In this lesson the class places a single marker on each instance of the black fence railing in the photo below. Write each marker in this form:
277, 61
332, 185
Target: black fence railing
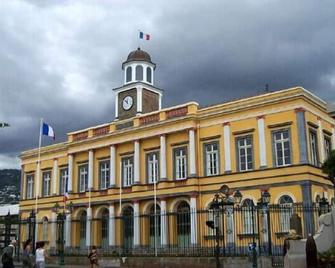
180, 233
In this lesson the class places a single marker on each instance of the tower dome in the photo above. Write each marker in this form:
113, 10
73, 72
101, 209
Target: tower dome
139, 55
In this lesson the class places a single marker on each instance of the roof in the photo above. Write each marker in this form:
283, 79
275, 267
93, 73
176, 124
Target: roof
139, 55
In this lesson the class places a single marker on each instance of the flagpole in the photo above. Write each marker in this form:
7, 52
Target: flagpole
155, 204
37, 184
120, 199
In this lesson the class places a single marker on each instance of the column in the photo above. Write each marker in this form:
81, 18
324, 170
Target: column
137, 233
112, 166
139, 99
90, 169
321, 146
159, 99
333, 139
54, 177
88, 227
68, 231
137, 162
111, 227
162, 158
164, 223
194, 228
53, 231
70, 173
306, 189
116, 105
230, 229
265, 230
262, 143
226, 138
302, 138
191, 137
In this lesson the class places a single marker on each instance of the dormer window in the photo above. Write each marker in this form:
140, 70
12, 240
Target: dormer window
149, 79
139, 73
128, 74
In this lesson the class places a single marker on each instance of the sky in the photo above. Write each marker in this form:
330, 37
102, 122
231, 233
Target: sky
60, 60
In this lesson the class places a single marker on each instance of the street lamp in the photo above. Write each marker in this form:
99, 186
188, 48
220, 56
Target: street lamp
32, 227
61, 216
220, 200
323, 204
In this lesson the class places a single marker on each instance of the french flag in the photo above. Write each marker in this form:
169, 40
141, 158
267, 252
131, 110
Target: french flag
144, 36
48, 131
66, 194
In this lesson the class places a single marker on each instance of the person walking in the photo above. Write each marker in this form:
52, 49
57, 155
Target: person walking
27, 261
40, 255
93, 257
7, 257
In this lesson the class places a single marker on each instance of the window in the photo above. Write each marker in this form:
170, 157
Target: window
149, 79
46, 183
244, 153
45, 229
248, 216
128, 74
286, 210
152, 167
127, 171
314, 148
139, 73
64, 177
30, 186
104, 174
328, 146
180, 163
83, 178
212, 158
282, 150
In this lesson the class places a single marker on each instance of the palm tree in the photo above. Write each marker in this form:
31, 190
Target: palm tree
328, 167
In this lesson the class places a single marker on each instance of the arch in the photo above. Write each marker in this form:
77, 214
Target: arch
45, 225
99, 211
174, 204
82, 229
129, 74
78, 212
183, 223
139, 73
154, 226
285, 193
149, 75
148, 205
316, 194
247, 196
285, 199
128, 227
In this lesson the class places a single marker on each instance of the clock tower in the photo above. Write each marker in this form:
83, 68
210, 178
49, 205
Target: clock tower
138, 94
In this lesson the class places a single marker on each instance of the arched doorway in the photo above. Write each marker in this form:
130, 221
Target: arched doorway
82, 230
183, 224
128, 229
104, 229
155, 227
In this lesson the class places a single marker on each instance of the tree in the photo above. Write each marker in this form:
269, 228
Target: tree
328, 167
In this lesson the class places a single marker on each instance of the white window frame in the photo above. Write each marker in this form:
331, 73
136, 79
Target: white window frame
212, 158
282, 141
153, 167
30, 186
127, 171
46, 183
180, 161
313, 139
286, 211
244, 147
104, 171
83, 177
64, 177
247, 210
45, 229
327, 146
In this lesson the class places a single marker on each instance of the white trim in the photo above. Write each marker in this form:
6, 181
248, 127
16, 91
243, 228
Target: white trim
163, 156
226, 139
111, 225
90, 169
139, 90
285, 193
137, 161
175, 202
54, 177
262, 143
132, 85
321, 142
193, 220
164, 223
192, 164
68, 230
137, 230
88, 227
116, 108
112, 166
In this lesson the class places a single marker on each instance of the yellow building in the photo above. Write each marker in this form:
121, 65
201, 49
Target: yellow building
274, 142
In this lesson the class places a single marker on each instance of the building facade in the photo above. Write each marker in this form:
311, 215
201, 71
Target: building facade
176, 158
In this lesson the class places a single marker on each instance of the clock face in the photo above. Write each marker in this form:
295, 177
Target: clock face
127, 102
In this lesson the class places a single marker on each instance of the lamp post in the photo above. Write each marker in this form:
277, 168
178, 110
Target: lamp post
32, 223
220, 200
61, 216
323, 205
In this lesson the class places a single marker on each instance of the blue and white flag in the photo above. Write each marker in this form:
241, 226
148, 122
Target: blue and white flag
48, 131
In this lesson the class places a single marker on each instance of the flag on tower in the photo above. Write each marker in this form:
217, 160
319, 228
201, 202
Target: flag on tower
144, 36
48, 131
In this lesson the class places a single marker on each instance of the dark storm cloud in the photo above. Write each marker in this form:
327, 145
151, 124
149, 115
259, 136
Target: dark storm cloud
60, 60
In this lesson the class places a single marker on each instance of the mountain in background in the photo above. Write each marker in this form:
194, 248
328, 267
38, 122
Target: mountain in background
10, 186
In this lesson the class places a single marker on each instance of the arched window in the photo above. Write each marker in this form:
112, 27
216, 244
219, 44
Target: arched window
155, 226
149, 78
139, 73
286, 211
248, 216
104, 229
128, 74
82, 230
128, 229
183, 224
45, 229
